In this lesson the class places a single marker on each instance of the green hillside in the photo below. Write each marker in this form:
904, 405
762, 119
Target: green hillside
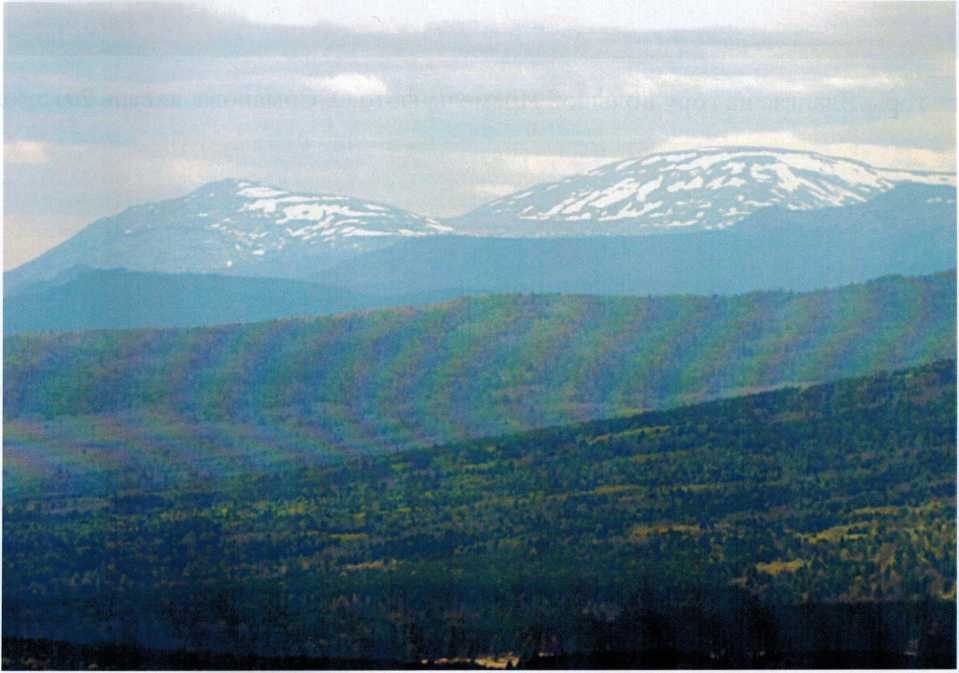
694, 531
383, 380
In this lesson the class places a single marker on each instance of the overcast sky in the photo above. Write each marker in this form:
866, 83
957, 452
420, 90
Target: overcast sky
440, 106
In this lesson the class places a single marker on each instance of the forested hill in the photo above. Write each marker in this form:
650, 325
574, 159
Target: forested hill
798, 527
482, 365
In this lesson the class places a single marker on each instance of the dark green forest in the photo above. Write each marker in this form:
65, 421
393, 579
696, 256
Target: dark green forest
803, 526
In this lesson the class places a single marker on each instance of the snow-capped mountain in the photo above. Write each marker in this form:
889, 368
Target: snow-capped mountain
711, 188
245, 228
233, 226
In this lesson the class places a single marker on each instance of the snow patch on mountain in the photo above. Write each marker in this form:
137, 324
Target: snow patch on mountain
259, 221
712, 188
235, 226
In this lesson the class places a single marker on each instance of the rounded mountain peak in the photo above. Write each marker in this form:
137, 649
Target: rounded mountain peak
236, 226
706, 188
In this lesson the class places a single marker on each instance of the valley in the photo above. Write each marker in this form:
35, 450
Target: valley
679, 537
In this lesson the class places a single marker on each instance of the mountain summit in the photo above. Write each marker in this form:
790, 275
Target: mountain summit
241, 227
260, 220
232, 226
709, 188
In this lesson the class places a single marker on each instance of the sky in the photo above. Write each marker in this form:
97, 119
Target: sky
440, 106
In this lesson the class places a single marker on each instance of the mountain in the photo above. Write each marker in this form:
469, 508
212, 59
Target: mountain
83, 298
711, 188
381, 380
800, 528
239, 227
910, 230
231, 226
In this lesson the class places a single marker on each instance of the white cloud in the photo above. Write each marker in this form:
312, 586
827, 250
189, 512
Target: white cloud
380, 17
498, 189
548, 165
194, 172
28, 152
861, 82
649, 84
351, 84
648, 15
885, 156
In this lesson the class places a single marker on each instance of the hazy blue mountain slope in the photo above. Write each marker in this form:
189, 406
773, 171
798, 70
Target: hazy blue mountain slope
85, 299
709, 188
244, 228
908, 230
231, 226
385, 379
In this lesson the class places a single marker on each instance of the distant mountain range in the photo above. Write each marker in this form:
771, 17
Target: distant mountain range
238, 227
909, 230
83, 299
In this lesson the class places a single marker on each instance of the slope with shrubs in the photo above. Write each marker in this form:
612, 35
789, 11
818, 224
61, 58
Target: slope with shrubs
806, 526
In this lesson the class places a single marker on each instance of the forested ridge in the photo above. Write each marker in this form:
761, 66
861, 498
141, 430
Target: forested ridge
766, 529
401, 378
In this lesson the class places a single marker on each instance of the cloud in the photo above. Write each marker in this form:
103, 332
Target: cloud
548, 165
27, 152
188, 172
650, 84
350, 84
270, 12
885, 156
401, 14
232, 28
498, 189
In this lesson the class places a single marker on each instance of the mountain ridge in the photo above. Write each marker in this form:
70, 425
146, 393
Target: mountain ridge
84, 298
909, 230
249, 228
231, 226
707, 188
385, 379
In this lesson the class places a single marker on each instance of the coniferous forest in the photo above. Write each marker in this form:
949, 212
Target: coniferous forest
801, 527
